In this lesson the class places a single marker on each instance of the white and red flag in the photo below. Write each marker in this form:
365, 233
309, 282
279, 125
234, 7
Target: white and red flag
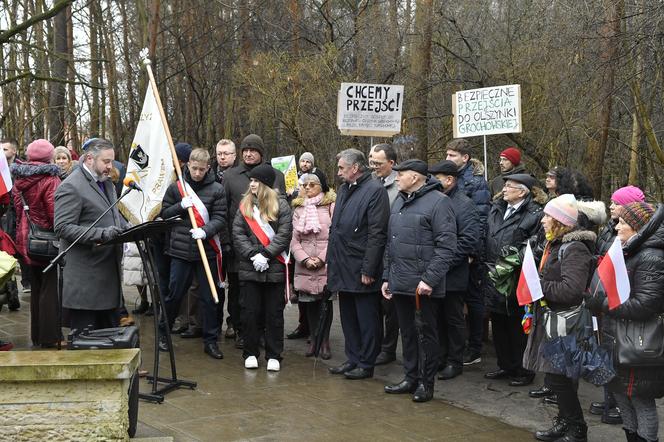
529, 288
202, 217
6, 178
612, 273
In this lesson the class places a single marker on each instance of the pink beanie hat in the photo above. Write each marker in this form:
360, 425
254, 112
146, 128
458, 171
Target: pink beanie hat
563, 209
628, 194
40, 150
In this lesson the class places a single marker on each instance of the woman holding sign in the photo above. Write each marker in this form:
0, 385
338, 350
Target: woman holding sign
565, 270
639, 380
261, 236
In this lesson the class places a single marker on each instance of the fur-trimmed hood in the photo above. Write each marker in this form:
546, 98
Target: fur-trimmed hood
595, 211
478, 167
580, 235
23, 170
328, 199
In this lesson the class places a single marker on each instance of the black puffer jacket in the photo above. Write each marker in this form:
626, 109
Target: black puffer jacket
421, 241
357, 236
514, 231
606, 237
246, 245
644, 259
468, 240
211, 193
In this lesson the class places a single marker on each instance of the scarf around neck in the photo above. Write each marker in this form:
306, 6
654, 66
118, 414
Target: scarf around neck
309, 221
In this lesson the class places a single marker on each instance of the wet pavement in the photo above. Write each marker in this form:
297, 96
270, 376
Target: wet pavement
304, 402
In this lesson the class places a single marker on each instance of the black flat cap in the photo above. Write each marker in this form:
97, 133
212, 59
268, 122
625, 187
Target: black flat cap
418, 166
522, 178
446, 167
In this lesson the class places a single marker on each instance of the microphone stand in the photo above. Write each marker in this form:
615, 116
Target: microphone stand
57, 259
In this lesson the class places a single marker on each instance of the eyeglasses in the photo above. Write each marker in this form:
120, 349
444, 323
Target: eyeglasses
511, 186
225, 154
376, 163
307, 185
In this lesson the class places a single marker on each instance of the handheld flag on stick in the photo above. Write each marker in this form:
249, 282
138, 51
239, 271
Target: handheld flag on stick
5, 177
529, 288
612, 275
178, 171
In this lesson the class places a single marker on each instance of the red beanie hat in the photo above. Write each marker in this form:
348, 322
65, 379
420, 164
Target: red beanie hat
40, 150
512, 154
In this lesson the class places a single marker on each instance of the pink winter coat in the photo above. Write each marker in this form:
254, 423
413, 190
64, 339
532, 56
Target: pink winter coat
307, 245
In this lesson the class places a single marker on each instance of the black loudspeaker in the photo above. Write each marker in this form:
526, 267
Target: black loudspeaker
111, 338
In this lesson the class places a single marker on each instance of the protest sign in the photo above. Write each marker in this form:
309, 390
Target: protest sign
369, 109
286, 165
487, 111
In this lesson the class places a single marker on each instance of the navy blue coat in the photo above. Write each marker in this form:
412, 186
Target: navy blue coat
422, 241
471, 181
468, 240
357, 236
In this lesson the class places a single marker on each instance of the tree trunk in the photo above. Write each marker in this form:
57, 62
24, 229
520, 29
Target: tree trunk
420, 72
112, 87
56, 102
596, 150
72, 132
94, 71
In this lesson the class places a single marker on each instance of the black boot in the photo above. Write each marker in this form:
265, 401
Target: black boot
13, 301
576, 433
558, 430
143, 307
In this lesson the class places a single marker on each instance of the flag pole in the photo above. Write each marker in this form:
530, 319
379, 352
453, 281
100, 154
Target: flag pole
178, 171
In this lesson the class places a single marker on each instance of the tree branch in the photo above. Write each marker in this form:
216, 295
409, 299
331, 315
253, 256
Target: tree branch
57, 7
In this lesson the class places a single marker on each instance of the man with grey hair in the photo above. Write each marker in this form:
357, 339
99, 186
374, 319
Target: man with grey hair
92, 290
358, 234
512, 220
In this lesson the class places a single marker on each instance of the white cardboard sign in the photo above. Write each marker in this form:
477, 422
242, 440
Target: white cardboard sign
487, 111
369, 109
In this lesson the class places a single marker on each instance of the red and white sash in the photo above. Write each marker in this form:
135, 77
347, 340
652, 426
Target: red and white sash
202, 217
264, 232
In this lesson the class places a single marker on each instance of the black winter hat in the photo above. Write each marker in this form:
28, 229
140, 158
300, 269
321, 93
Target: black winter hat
183, 150
263, 173
418, 166
321, 179
253, 141
522, 178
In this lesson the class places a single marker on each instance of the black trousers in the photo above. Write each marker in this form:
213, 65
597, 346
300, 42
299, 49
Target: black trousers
565, 388
510, 342
412, 349
234, 309
362, 327
182, 273
475, 304
93, 319
451, 329
391, 327
44, 306
264, 299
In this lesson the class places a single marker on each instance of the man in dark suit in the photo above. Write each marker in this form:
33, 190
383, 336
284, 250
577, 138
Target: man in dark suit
355, 261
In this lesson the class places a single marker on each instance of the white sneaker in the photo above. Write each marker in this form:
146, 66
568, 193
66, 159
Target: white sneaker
251, 362
273, 365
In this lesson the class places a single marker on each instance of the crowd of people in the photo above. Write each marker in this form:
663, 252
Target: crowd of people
407, 248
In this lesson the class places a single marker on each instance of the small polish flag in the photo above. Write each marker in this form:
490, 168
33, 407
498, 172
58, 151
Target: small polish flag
612, 272
529, 288
5, 176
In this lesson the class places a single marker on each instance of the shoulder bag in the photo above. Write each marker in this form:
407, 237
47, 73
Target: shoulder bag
639, 343
42, 243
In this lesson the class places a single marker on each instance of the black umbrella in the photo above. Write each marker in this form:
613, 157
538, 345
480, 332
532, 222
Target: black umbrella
324, 320
419, 329
580, 357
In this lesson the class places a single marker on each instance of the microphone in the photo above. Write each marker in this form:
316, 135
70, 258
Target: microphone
129, 182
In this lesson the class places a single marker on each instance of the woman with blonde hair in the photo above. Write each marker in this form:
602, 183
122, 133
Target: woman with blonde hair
63, 160
261, 235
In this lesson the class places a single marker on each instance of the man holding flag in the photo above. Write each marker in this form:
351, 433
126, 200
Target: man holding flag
208, 200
